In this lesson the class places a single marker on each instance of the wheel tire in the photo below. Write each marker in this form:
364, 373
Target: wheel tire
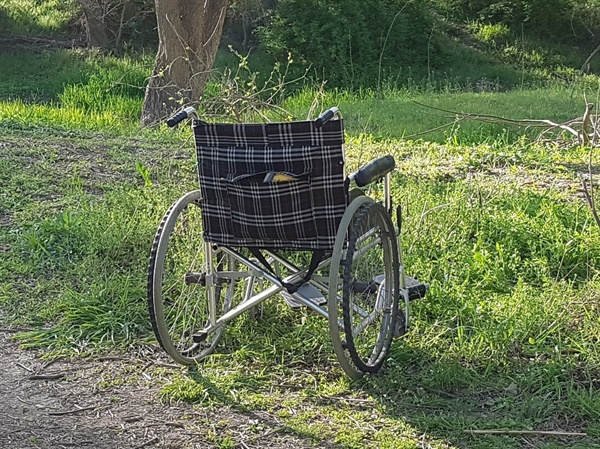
364, 288
179, 308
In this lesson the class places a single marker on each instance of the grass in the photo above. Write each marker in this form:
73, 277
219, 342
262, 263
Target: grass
87, 91
431, 115
506, 339
72, 89
44, 17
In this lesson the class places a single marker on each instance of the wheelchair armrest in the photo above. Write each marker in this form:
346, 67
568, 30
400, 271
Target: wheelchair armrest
373, 170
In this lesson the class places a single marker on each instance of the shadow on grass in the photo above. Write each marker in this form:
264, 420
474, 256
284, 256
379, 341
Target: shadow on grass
418, 400
75, 77
264, 426
463, 403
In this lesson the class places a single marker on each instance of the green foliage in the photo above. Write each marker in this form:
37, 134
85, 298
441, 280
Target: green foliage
353, 43
38, 18
553, 20
587, 23
496, 34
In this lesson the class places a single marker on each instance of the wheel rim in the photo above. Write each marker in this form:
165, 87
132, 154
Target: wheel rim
362, 348
179, 300
370, 288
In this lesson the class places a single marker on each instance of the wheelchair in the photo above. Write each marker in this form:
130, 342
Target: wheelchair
268, 193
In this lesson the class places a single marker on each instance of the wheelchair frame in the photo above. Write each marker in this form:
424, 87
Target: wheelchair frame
223, 285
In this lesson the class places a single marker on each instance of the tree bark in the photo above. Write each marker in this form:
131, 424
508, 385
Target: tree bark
97, 36
189, 32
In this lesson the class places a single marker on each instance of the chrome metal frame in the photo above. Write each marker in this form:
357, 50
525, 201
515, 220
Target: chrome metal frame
255, 271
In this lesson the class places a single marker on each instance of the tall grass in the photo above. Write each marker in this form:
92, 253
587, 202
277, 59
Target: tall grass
80, 246
39, 18
72, 89
510, 269
90, 91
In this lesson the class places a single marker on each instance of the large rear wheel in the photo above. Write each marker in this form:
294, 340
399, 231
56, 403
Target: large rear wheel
179, 298
364, 287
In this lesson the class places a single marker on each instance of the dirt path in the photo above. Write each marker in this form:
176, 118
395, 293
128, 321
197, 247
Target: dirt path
111, 402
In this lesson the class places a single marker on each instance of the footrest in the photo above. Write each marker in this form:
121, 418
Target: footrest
308, 292
416, 289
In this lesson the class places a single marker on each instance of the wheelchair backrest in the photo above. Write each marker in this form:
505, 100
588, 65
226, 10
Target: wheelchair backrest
272, 185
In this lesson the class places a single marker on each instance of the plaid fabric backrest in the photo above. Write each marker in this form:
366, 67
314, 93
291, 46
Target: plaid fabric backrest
272, 185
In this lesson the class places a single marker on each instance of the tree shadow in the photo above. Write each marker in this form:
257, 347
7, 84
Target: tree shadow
265, 426
438, 401
463, 403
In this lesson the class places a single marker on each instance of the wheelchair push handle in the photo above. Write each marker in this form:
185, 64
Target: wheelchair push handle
326, 116
374, 170
181, 115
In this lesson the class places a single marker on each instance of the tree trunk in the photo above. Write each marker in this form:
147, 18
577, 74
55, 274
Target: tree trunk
97, 36
189, 32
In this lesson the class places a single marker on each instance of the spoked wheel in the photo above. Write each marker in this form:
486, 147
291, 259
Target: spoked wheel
179, 298
364, 288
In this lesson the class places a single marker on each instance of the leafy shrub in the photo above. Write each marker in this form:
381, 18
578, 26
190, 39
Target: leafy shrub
347, 43
540, 18
492, 34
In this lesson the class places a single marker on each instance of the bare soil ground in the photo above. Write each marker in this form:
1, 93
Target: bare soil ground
112, 402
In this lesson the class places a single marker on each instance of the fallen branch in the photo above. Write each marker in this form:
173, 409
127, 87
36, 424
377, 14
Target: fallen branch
427, 131
23, 367
147, 443
587, 61
51, 362
46, 376
587, 122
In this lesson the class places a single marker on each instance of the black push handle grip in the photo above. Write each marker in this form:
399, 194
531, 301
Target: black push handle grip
181, 115
326, 116
374, 170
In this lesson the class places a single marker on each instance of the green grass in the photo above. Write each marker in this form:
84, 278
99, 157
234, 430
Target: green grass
507, 338
80, 90
432, 115
72, 89
41, 18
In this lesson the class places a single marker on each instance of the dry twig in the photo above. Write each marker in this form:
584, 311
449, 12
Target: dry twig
46, 376
147, 443
71, 412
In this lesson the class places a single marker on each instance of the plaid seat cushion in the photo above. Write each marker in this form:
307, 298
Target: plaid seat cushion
273, 185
